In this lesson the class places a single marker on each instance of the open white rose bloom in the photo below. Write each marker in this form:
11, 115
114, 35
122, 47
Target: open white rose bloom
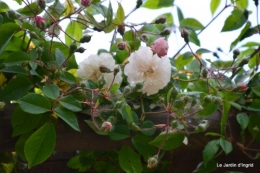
89, 69
146, 67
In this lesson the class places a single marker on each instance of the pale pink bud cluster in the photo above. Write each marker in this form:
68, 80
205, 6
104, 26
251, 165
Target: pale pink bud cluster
243, 87
152, 161
160, 47
106, 126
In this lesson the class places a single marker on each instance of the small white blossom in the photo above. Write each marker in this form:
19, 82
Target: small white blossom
89, 68
146, 67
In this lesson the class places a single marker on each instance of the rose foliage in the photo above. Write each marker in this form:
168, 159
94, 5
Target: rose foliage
119, 88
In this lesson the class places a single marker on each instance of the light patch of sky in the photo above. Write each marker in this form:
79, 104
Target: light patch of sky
211, 38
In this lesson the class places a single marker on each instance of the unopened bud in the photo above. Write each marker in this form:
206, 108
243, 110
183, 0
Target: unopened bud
139, 3
80, 50
202, 126
106, 126
41, 3
160, 47
121, 45
236, 52
85, 3
116, 70
165, 32
73, 47
217, 100
174, 124
104, 69
127, 90
208, 99
174, 93
185, 35
160, 20
85, 39
152, 161
139, 85
204, 73
121, 29
246, 13
144, 37
40, 22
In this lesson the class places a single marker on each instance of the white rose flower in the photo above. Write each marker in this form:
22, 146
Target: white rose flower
89, 68
146, 67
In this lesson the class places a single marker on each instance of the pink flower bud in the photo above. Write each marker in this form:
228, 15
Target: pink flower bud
86, 3
160, 46
121, 45
243, 87
106, 126
40, 21
152, 161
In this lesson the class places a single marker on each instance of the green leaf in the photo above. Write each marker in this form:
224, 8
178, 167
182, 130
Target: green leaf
23, 122
236, 20
180, 14
201, 168
126, 113
225, 145
74, 31
147, 125
93, 21
193, 37
239, 38
71, 103
256, 90
253, 125
208, 109
192, 24
68, 116
173, 140
152, 4
120, 15
16, 58
242, 4
7, 31
202, 50
51, 91
40, 145
210, 150
109, 15
129, 161
30, 10
68, 77
141, 144
59, 57
34, 103
19, 146
120, 132
69, 7
16, 88
243, 120
14, 69
214, 4
224, 118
